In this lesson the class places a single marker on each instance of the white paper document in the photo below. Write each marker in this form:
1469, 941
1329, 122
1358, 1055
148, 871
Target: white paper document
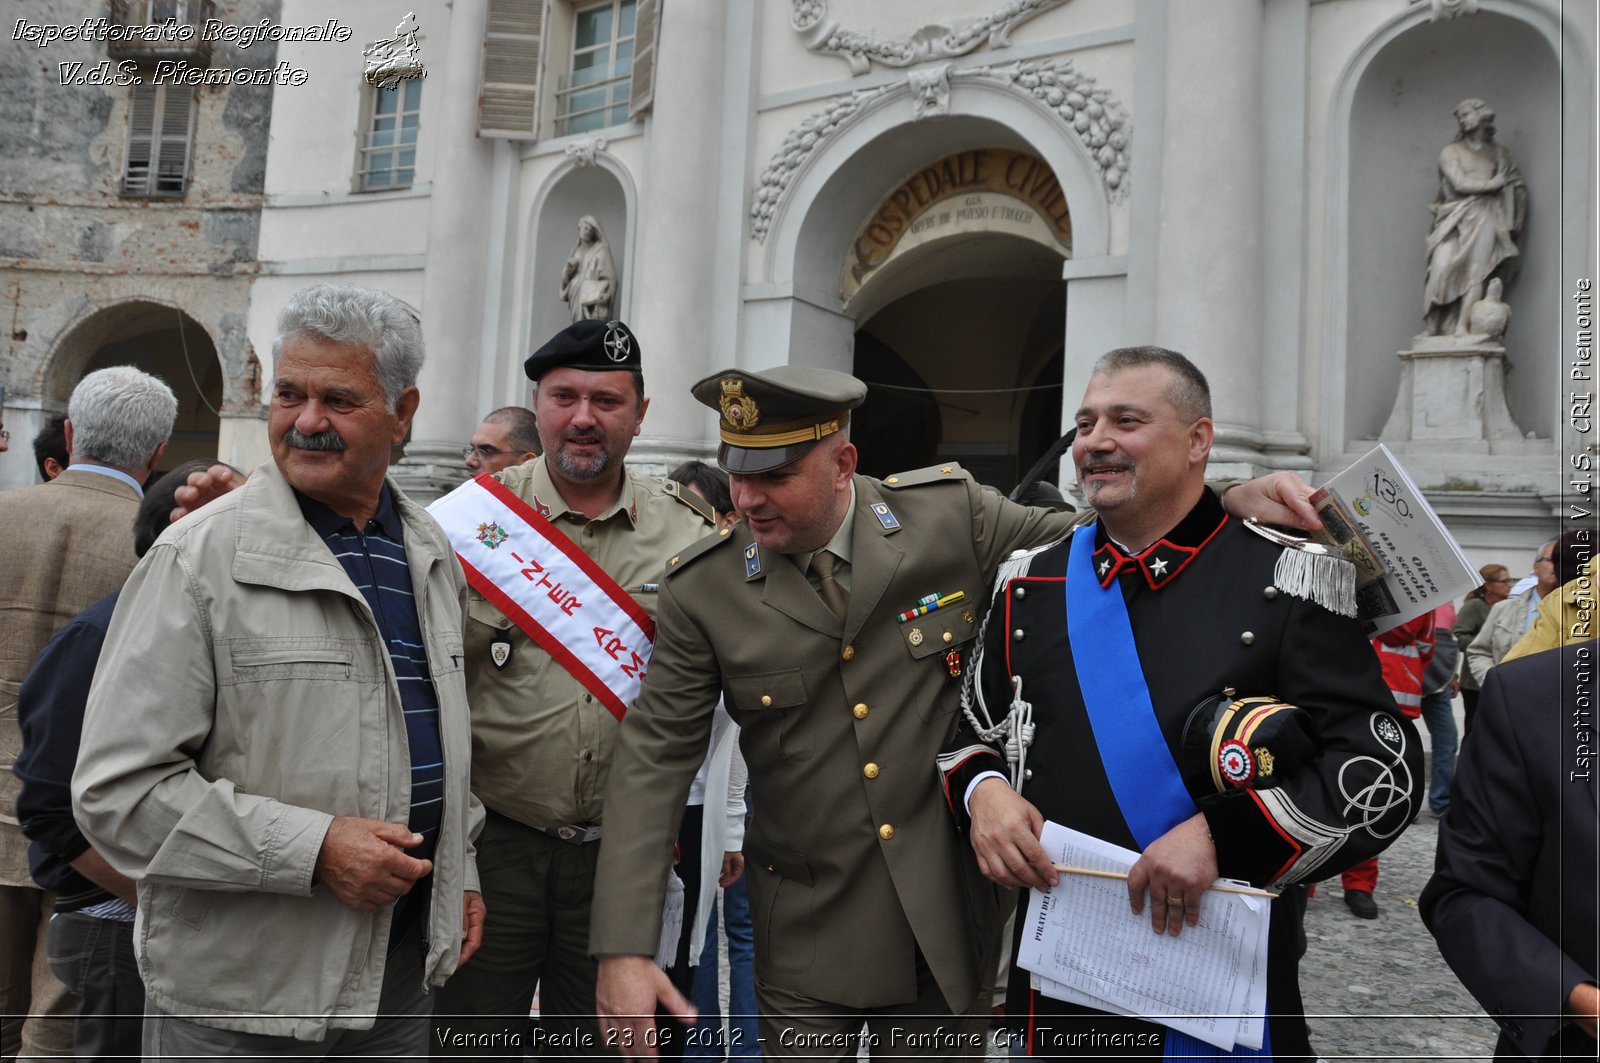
1086, 946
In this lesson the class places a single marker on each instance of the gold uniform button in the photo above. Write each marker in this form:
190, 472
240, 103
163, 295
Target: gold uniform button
870, 771
766, 701
892, 480
725, 531
860, 711
849, 653
948, 637
886, 831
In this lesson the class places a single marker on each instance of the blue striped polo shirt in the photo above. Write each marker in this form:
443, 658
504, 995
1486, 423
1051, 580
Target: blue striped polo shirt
375, 560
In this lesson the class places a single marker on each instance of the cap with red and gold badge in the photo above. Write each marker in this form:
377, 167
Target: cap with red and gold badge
1247, 742
771, 418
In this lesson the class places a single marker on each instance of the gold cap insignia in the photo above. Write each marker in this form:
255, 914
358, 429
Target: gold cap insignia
1264, 760
738, 409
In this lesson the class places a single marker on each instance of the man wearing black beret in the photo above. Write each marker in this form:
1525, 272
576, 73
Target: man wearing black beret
544, 716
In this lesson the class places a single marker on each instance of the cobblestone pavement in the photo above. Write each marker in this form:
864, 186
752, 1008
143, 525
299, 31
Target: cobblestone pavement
1379, 989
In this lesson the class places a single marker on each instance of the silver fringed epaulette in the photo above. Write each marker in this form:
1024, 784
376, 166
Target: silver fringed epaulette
1311, 571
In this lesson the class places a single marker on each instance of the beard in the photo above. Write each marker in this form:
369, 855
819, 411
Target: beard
586, 467
1096, 493
328, 439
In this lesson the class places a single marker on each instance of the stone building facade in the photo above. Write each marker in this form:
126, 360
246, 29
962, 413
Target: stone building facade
130, 211
962, 201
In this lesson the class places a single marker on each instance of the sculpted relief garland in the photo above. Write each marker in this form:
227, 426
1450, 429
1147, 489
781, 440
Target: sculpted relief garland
1096, 117
822, 33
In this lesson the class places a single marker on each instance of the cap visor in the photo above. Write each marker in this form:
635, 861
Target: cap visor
751, 461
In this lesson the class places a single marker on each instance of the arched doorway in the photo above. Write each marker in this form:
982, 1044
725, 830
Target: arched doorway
966, 369
955, 284
163, 341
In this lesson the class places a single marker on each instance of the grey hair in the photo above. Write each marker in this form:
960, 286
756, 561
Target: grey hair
344, 313
120, 416
1189, 392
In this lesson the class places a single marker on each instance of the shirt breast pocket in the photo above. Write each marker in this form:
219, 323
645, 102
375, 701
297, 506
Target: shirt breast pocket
487, 627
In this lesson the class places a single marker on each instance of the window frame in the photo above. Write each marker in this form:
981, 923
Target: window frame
565, 90
365, 149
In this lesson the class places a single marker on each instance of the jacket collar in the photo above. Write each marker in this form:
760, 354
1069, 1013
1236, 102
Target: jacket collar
874, 559
1161, 561
547, 500
275, 546
93, 481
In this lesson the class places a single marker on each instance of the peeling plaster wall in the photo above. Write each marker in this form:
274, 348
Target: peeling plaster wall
71, 246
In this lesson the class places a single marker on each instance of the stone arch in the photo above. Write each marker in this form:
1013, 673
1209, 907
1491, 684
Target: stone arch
885, 138
1387, 129
838, 183
578, 186
159, 337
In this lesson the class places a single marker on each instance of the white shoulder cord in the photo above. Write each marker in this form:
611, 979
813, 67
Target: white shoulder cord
1014, 733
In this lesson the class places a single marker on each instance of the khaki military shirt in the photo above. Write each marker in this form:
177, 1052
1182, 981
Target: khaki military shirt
541, 743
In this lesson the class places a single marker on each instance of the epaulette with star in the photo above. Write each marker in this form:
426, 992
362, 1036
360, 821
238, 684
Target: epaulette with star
928, 475
699, 548
1309, 570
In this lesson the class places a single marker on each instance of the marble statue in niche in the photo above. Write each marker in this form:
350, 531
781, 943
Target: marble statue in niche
589, 279
1477, 216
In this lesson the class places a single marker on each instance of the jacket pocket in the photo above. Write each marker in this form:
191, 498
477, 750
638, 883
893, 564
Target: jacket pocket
267, 659
939, 632
784, 689
778, 700
782, 891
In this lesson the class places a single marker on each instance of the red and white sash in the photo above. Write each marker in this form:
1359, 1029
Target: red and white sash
549, 588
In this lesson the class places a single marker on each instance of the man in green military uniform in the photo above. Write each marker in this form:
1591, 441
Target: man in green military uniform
835, 622
543, 730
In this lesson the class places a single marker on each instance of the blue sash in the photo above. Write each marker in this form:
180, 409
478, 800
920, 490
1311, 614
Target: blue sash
1144, 778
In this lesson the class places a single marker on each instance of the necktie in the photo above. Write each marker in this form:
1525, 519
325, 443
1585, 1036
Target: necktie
828, 588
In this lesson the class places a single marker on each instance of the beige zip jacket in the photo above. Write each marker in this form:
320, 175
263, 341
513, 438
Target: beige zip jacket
244, 699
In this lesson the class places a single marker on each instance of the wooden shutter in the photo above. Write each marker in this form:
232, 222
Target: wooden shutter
508, 89
160, 135
172, 141
642, 90
141, 141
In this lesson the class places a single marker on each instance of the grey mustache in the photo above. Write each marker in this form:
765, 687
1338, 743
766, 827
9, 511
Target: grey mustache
324, 440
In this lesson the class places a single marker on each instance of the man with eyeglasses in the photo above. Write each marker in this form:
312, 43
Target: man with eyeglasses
508, 436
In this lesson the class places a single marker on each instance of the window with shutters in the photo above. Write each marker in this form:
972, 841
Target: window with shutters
596, 93
389, 149
160, 141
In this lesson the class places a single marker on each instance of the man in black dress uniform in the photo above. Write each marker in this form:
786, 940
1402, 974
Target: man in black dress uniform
1302, 767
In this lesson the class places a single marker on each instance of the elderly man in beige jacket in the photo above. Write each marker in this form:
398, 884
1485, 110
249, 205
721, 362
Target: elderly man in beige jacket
276, 743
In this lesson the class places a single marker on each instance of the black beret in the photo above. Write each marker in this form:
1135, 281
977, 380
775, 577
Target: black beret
598, 346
